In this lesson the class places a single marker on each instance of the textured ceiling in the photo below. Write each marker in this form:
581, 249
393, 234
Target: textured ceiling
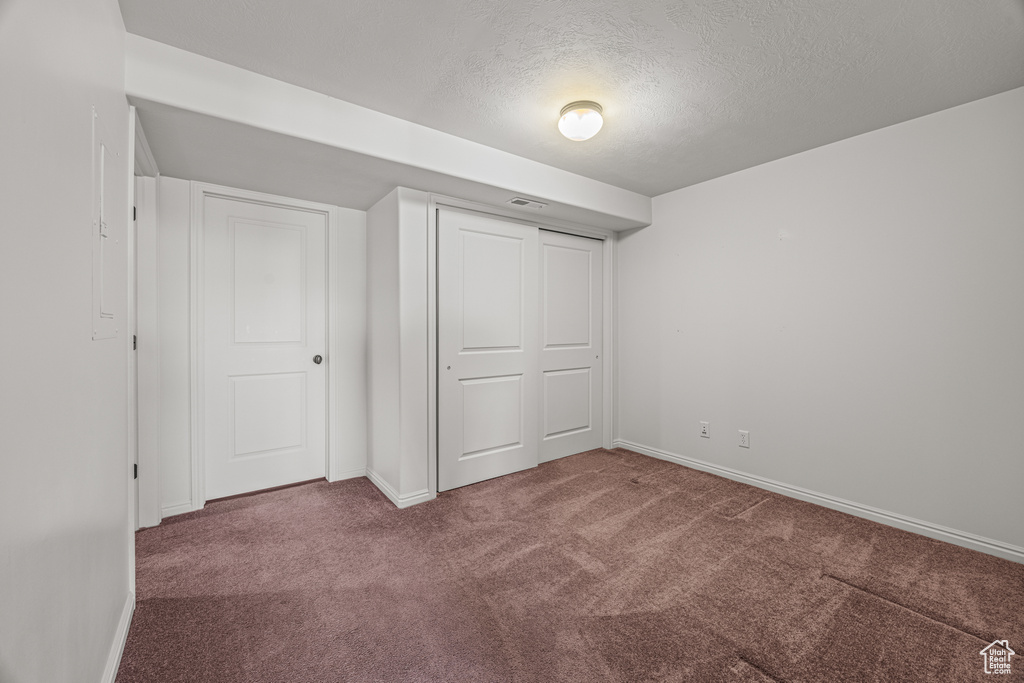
691, 89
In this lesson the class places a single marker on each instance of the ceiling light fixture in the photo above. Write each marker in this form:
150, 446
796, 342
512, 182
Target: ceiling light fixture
581, 120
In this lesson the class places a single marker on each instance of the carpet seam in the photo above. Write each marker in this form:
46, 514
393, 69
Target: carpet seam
759, 669
746, 509
866, 591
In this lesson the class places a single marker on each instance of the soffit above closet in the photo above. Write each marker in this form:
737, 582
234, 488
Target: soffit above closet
209, 149
691, 89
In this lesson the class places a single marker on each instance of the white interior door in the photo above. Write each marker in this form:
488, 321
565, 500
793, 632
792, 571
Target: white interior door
571, 335
488, 348
264, 321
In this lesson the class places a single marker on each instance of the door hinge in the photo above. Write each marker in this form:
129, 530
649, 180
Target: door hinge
135, 214
135, 342
135, 471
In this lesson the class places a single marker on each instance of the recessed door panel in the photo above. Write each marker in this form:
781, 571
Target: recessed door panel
488, 348
571, 358
268, 291
492, 291
268, 413
492, 415
566, 294
264, 319
567, 397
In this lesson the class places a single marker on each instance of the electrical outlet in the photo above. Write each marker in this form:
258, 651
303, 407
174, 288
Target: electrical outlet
705, 430
744, 439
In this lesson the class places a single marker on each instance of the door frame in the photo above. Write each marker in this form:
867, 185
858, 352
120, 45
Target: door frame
147, 395
199, 192
609, 239
131, 308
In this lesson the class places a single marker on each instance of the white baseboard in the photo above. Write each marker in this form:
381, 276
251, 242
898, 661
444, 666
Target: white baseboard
120, 638
400, 501
178, 509
349, 474
917, 526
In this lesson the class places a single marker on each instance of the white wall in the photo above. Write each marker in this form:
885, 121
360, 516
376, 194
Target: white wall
170, 315
384, 345
858, 307
65, 472
173, 324
349, 361
397, 259
415, 341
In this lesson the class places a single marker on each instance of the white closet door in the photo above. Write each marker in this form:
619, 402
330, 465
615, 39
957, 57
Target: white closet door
264, 324
488, 348
571, 336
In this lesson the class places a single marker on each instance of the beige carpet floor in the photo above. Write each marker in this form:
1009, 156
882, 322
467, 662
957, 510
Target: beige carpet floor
604, 566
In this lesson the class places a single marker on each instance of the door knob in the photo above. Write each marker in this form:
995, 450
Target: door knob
318, 359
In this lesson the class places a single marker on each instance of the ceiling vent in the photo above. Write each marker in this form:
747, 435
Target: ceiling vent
526, 203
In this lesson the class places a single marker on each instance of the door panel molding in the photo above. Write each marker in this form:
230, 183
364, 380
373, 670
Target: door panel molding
567, 312
570, 419
241, 230
200, 192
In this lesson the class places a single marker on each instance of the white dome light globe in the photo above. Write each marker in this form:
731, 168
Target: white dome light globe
580, 120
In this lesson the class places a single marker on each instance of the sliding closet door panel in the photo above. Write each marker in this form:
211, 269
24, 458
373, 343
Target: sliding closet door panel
571, 334
488, 384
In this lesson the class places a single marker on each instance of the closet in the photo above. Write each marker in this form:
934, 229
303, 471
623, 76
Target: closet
519, 346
